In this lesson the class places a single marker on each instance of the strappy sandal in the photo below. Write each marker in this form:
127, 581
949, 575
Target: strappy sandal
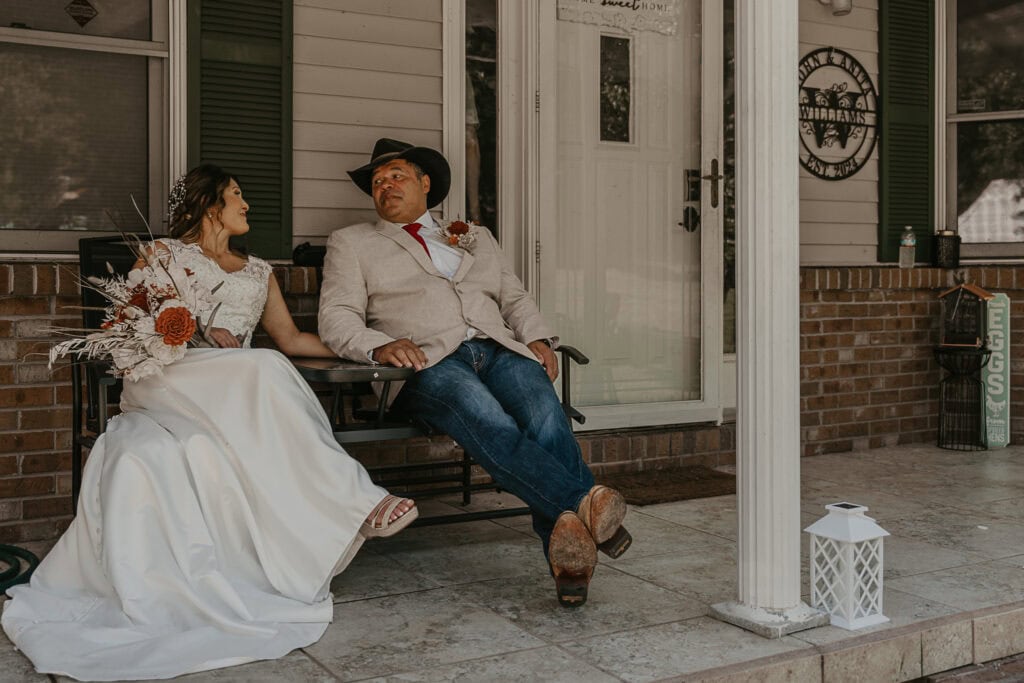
602, 511
379, 524
572, 555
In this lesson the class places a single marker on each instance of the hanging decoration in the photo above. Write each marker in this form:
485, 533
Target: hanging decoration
838, 114
628, 15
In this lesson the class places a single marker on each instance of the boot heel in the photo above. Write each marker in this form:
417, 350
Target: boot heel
572, 555
618, 544
572, 588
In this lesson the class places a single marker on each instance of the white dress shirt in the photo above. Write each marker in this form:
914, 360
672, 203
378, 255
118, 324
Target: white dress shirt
446, 258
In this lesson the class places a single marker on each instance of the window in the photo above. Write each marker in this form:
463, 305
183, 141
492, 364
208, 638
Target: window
482, 113
82, 98
985, 126
729, 182
615, 89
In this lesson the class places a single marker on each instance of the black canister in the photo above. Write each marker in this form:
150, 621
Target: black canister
947, 249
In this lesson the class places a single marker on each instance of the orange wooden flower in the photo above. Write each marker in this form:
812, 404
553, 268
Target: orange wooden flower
176, 325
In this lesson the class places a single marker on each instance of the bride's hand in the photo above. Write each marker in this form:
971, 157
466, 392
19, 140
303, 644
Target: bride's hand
223, 338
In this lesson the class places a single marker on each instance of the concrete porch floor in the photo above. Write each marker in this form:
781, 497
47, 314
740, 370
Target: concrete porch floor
474, 602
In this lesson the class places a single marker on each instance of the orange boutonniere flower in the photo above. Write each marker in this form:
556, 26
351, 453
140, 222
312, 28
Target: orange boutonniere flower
458, 234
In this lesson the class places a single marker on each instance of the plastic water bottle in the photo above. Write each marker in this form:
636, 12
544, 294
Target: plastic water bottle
908, 246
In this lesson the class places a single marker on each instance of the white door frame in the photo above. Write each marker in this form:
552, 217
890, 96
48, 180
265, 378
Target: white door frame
709, 407
527, 166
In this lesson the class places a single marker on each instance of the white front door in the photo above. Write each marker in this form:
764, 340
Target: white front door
630, 240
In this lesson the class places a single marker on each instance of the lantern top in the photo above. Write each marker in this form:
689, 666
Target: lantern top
973, 289
847, 522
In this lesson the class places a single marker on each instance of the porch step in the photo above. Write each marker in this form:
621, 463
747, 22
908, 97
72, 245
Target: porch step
1006, 670
938, 650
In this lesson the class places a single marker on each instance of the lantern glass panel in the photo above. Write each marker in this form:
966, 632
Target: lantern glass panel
963, 319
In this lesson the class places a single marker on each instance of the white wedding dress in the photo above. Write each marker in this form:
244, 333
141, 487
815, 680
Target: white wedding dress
213, 513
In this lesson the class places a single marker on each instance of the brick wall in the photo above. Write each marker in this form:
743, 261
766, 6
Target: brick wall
867, 372
867, 368
35, 404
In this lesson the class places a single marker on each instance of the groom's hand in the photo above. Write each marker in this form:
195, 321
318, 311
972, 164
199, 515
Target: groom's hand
401, 353
546, 357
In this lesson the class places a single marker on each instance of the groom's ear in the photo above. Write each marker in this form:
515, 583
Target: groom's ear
425, 183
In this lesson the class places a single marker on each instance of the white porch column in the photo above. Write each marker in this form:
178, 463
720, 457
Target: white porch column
177, 124
768, 323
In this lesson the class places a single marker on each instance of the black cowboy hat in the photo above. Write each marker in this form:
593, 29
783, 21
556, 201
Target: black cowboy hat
431, 161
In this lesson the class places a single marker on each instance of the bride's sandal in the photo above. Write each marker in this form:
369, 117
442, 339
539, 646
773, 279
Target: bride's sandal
602, 511
379, 523
573, 555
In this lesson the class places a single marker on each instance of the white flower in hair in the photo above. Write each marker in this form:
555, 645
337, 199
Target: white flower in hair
176, 196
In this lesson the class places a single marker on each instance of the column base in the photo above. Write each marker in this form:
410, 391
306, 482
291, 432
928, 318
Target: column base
769, 623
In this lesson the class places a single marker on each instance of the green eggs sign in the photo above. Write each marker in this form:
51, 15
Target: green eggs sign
996, 375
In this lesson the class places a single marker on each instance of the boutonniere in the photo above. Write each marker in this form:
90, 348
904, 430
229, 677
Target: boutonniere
458, 233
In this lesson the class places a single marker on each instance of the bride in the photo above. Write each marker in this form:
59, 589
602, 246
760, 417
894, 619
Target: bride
217, 507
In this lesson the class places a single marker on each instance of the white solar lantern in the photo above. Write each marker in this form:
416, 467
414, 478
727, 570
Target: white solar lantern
846, 566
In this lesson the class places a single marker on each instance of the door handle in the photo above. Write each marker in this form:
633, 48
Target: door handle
714, 177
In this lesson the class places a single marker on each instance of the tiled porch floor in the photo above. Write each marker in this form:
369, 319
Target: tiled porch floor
473, 601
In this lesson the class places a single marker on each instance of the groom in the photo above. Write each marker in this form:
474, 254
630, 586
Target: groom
412, 292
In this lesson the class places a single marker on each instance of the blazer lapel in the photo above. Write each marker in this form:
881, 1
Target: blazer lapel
467, 263
406, 241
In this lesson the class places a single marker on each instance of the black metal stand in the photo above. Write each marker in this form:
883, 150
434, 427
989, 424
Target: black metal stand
20, 564
962, 398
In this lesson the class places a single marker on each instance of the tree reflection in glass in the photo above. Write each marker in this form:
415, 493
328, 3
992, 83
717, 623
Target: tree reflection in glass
989, 182
990, 153
615, 89
73, 144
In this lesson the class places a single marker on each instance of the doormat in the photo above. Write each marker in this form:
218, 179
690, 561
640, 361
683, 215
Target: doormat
664, 486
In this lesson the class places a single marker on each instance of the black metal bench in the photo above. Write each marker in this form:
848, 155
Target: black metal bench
416, 480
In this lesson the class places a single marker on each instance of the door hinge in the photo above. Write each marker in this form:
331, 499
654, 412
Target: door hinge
536, 251
536, 101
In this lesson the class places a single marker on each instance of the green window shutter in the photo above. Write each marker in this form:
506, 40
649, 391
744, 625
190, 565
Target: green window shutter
906, 145
240, 107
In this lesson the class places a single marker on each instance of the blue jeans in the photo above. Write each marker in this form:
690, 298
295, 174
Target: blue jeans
501, 408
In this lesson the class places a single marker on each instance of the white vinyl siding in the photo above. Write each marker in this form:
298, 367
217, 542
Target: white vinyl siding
364, 69
839, 218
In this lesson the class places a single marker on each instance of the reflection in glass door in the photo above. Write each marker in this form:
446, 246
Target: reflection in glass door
482, 113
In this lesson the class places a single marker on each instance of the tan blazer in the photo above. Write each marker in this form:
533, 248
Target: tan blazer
380, 285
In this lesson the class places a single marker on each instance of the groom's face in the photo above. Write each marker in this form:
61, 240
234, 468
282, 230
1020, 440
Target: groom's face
399, 193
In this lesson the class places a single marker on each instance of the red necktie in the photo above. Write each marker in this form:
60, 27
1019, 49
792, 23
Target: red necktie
414, 230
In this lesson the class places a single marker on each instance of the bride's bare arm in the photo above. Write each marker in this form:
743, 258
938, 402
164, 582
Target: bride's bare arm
278, 323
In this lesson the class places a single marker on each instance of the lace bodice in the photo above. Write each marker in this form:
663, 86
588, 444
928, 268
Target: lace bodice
242, 295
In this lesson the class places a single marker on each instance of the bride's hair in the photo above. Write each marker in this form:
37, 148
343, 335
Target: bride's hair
193, 195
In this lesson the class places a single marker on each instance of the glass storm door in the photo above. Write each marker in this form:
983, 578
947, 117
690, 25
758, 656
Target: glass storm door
630, 256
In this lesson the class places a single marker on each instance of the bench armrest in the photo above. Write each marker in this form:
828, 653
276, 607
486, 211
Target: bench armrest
573, 354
